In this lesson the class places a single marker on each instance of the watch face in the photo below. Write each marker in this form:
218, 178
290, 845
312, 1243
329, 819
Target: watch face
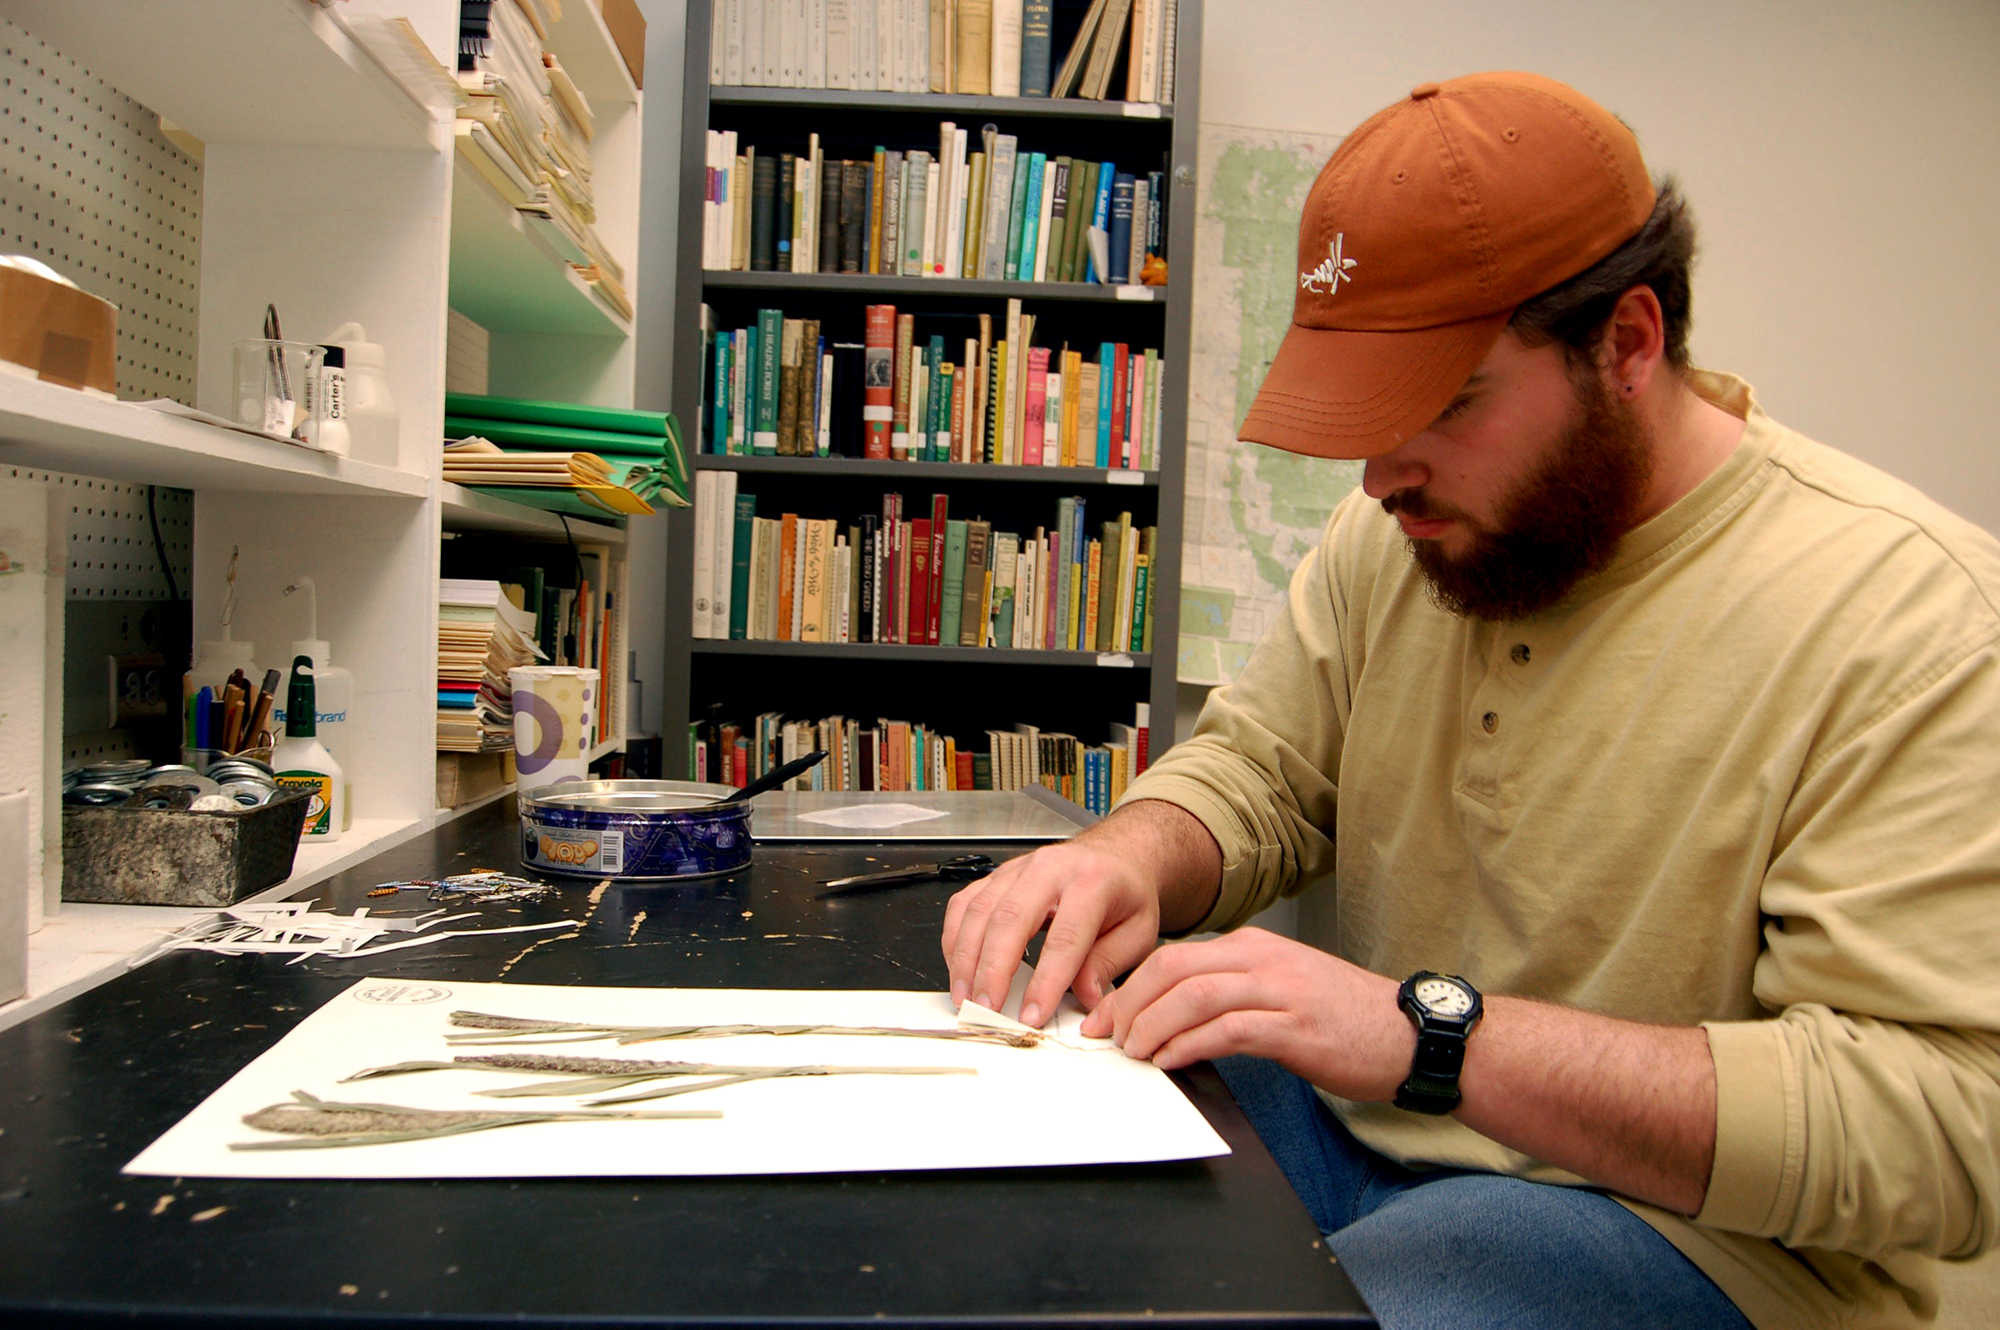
1442, 996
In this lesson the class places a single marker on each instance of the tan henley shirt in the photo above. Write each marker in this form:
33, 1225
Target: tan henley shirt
1747, 777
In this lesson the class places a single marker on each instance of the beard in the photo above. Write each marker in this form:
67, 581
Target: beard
1559, 524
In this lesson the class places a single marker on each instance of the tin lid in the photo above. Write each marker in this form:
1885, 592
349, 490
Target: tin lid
627, 796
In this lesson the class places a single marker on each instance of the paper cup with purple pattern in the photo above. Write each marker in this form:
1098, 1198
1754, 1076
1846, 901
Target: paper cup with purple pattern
555, 723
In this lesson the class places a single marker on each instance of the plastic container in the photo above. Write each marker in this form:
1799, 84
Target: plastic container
327, 418
333, 693
301, 761
373, 425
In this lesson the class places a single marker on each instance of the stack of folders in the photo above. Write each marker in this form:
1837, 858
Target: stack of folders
796, 387
1001, 48
607, 458
979, 207
481, 635
924, 580
528, 129
906, 755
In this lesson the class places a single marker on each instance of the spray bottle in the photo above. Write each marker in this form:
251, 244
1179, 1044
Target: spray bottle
333, 689
301, 761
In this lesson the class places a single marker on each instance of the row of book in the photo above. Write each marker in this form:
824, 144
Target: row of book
527, 128
1001, 48
905, 755
996, 213
930, 580
782, 387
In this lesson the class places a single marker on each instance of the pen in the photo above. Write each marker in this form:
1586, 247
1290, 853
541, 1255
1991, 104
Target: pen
203, 701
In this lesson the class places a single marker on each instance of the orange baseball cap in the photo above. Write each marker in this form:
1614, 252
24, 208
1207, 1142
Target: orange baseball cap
1426, 229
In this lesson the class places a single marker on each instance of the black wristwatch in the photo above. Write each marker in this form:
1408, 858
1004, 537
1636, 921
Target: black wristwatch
1444, 1008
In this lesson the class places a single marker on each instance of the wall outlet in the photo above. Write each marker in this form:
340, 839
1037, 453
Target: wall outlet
139, 688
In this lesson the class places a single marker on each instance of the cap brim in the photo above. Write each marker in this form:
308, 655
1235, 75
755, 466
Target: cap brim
1334, 393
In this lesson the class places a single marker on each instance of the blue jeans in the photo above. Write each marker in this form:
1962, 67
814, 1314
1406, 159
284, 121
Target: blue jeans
1454, 1248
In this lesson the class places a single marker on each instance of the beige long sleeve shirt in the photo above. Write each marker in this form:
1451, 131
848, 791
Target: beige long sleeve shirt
1747, 777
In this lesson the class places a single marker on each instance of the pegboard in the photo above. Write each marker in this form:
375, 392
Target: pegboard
111, 551
90, 186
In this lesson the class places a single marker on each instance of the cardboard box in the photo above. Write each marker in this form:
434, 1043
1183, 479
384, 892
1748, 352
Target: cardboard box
58, 333
464, 777
628, 30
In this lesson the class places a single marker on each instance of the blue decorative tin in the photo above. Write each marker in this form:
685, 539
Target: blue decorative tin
644, 830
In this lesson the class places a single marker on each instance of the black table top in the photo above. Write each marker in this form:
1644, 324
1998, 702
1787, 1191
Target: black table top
85, 1086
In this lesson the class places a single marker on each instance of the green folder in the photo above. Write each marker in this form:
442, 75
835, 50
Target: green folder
557, 438
527, 411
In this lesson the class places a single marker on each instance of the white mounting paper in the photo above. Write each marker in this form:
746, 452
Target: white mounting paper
1066, 1101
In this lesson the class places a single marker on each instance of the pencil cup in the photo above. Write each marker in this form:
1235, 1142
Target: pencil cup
278, 387
555, 723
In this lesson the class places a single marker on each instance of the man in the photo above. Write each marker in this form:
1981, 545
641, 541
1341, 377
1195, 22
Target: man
1664, 735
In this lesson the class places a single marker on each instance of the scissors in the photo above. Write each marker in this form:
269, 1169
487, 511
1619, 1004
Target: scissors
964, 868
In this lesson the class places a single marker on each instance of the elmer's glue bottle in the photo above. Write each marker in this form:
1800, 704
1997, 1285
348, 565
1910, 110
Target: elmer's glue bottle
301, 761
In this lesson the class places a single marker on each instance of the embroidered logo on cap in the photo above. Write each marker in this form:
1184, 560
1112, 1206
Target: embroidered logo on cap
1332, 270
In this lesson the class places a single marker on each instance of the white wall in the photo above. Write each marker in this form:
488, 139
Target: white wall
1840, 156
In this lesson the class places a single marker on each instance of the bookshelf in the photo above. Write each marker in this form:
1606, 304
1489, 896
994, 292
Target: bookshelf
330, 186
961, 691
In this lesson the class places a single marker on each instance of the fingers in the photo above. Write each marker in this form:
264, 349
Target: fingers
1073, 937
988, 927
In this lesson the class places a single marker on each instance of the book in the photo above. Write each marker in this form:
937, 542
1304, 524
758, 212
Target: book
770, 335
1121, 360
1006, 558
919, 600
763, 214
975, 47
790, 336
813, 598
706, 484
1037, 31
934, 611
740, 570
1034, 422
879, 381
782, 200
872, 247
853, 215
722, 581
832, 185
999, 205
1121, 230
1005, 76
786, 606
899, 435
952, 583
971, 622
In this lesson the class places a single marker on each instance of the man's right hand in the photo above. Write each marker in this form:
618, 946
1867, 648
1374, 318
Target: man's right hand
1100, 897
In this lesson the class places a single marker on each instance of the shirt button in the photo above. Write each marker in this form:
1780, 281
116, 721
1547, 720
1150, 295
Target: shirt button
1490, 721
1520, 653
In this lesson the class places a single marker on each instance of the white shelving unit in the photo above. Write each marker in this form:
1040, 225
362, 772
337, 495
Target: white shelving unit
332, 190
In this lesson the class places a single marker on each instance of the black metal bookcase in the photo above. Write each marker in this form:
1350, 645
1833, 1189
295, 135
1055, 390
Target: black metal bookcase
962, 691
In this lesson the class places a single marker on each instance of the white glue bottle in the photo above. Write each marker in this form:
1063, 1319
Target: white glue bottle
301, 761
369, 408
333, 689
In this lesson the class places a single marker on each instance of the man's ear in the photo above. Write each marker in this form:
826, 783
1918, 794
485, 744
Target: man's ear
1635, 341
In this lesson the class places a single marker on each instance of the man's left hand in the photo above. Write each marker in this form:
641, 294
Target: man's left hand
1254, 992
